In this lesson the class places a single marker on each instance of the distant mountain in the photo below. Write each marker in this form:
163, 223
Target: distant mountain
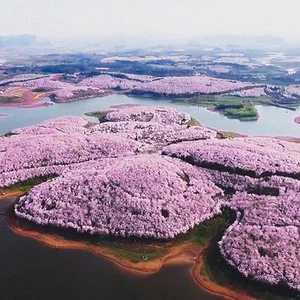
17, 41
236, 41
122, 42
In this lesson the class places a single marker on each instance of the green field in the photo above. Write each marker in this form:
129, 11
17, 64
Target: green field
241, 111
230, 106
27, 185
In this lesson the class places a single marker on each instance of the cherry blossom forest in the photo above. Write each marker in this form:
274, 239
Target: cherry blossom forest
147, 173
172, 86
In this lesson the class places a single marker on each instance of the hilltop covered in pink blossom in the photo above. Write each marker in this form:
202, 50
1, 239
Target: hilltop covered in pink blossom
67, 124
262, 177
63, 91
155, 133
255, 157
27, 156
144, 196
162, 115
146, 173
169, 85
253, 92
264, 241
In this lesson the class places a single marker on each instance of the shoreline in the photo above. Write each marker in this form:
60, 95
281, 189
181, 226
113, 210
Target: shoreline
101, 95
10, 194
184, 253
34, 103
212, 287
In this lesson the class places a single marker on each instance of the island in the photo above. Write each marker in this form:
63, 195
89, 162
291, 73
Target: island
297, 120
148, 184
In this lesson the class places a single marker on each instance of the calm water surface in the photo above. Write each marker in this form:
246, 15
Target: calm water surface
32, 271
273, 121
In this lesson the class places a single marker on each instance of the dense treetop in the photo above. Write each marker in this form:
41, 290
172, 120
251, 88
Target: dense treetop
146, 173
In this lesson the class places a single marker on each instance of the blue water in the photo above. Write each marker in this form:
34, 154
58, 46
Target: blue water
273, 121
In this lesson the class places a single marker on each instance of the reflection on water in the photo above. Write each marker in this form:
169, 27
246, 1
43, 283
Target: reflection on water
273, 121
32, 271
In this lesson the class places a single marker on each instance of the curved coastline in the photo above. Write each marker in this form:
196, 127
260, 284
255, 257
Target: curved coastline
213, 287
183, 253
9, 194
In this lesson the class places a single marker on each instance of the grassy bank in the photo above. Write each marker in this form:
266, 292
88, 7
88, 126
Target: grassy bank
211, 230
149, 255
243, 111
217, 270
215, 100
25, 186
230, 106
139, 253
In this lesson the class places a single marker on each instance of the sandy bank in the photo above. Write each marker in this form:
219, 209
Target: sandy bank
213, 287
183, 253
8, 194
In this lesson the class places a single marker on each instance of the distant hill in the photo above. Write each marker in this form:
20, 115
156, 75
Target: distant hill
236, 41
12, 41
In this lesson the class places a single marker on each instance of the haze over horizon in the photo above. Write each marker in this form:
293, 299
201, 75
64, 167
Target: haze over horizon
171, 19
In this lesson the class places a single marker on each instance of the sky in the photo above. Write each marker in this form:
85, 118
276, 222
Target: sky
175, 19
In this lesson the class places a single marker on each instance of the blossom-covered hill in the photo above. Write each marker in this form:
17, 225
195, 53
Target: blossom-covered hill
63, 91
255, 157
147, 173
263, 177
142, 196
170, 85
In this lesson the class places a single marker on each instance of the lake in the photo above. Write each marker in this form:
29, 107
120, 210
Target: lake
273, 121
32, 271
